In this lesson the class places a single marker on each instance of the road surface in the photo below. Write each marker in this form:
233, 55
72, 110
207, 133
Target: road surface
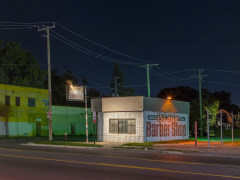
33, 163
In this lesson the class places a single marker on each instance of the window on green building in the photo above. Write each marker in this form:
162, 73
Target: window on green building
17, 101
7, 100
31, 102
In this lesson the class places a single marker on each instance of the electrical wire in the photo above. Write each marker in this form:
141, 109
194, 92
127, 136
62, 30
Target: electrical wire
184, 71
133, 85
161, 75
223, 83
89, 52
100, 44
16, 28
110, 48
96, 54
217, 70
173, 80
39, 23
155, 73
168, 73
99, 84
112, 61
19, 23
7, 25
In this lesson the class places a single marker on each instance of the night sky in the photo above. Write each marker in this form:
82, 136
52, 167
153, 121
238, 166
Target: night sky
178, 35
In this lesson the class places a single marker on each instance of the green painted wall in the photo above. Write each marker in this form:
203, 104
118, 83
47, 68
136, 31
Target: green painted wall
23, 120
71, 120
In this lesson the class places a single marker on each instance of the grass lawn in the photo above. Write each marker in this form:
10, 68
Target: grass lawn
146, 144
215, 139
67, 143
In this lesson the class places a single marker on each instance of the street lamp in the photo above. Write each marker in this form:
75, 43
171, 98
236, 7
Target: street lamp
169, 97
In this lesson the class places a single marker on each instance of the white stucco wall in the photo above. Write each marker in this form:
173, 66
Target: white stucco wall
100, 126
149, 128
103, 126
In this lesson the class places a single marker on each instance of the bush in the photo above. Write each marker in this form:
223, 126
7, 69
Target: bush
227, 132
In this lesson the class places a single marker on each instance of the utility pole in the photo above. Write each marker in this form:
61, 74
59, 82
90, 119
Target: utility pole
200, 79
47, 28
148, 67
115, 94
115, 85
85, 96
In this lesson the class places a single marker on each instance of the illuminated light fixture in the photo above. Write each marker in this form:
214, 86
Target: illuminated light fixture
69, 83
169, 97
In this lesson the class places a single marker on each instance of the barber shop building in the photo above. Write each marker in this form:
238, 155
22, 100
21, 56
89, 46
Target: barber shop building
141, 119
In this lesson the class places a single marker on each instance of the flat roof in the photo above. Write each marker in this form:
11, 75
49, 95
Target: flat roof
139, 103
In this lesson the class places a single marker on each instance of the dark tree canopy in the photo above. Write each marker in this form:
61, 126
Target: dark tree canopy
225, 99
59, 88
182, 93
19, 67
121, 89
209, 100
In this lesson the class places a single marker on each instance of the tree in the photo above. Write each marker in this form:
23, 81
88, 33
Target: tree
224, 99
19, 67
211, 101
181, 93
121, 89
213, 112
59, 88
184, 93
84, 80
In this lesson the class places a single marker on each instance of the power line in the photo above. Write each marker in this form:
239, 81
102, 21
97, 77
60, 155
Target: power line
168, 73
217, 70
141, 60
94, 54
223, 83
164, 77
16, 28
97, 54
35, 24
102, 86
100, 44
20, 23
17, 25
155, 73
184, 71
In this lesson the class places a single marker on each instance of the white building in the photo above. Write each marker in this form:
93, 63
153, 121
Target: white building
141, 119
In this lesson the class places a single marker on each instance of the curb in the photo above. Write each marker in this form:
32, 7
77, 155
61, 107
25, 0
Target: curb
59, 146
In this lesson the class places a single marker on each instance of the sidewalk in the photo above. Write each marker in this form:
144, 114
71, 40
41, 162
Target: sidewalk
215, 148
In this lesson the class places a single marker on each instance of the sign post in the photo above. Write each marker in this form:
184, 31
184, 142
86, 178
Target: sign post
208, 126
232, 126
85, 93
78, 93
221, 124
195, 134
94, 124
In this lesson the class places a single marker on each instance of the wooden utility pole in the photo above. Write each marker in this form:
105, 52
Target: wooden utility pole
47, 28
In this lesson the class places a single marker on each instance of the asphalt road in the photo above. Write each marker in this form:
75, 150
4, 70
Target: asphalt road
33, 163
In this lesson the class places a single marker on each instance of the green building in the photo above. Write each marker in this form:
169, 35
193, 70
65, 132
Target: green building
23, 112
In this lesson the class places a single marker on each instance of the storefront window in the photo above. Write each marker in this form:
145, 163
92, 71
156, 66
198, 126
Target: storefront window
113, 126
122, 126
